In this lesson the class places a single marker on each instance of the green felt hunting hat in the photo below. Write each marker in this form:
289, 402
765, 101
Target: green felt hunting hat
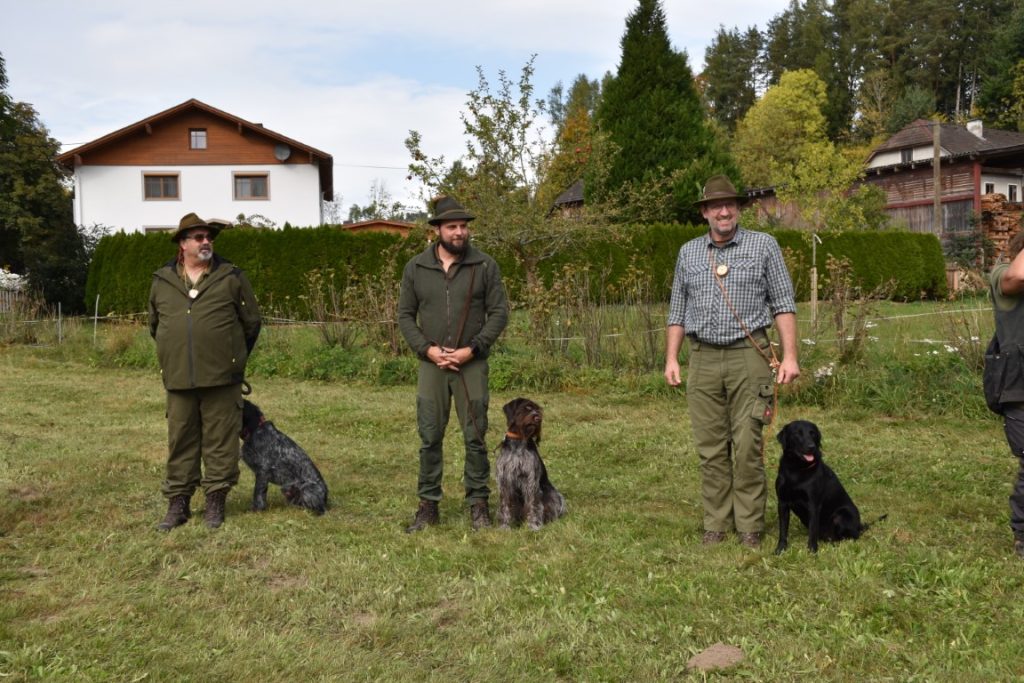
190, 221
719, 188
447, 209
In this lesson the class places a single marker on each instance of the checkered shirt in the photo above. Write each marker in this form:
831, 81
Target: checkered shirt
757, 284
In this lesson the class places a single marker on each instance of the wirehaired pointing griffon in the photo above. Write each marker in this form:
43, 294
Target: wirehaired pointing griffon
809, 488
524, 490
276, 459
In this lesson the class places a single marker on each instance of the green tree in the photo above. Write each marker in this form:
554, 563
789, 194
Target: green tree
652, 113
37, 232
382, 206
583, 98
997, 99
502, 177
772, 139
915, 103
731, 74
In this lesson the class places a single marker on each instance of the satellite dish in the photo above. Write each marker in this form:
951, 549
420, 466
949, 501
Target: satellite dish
282, 151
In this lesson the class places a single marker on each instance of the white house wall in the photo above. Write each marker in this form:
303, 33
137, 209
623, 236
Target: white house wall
1001, 183
113, 195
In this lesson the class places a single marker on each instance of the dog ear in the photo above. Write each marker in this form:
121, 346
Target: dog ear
510, 409
816, 433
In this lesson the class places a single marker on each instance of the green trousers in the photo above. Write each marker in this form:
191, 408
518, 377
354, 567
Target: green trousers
729, 393
435, 390
202, 438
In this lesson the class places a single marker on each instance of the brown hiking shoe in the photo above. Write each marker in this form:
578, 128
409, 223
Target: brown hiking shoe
426, 515
480, 515
712, 537
751, 539
178, 513
214, 514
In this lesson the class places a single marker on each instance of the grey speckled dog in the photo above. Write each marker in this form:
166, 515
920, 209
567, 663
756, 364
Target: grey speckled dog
524, 490
276, 459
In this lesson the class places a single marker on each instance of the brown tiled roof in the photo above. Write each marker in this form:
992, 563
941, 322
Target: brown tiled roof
953, 138
574, 194
324, 160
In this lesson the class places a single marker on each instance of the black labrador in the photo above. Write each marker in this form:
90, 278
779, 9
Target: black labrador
808, 487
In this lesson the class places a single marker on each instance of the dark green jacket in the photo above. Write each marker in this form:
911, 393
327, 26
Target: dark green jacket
431, 302
203, 342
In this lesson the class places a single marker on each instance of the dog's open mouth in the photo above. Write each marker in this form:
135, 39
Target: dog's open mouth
809, 457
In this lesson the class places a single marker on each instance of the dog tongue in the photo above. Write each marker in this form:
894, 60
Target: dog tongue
809, 457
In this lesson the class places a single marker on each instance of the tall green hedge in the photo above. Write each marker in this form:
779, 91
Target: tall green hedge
278, 262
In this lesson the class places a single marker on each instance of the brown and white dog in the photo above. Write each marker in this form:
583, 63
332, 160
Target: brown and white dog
524, 490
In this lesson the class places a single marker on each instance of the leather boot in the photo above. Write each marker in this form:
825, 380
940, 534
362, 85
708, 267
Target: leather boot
178, 513
426, 515
214, 514
480, 515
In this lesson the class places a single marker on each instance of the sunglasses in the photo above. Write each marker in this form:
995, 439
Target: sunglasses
201, 238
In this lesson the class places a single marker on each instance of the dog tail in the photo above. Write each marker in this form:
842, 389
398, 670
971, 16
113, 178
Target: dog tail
867, 525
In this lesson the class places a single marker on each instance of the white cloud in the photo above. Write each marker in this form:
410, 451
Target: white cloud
350, 78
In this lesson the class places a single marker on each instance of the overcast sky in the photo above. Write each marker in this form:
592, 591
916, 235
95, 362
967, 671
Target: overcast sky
349, 77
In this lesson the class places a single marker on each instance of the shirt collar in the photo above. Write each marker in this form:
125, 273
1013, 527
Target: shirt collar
737, 237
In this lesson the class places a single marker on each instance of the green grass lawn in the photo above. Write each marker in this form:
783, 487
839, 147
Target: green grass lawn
620, 590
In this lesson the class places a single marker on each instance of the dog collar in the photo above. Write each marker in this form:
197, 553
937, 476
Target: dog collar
514, 435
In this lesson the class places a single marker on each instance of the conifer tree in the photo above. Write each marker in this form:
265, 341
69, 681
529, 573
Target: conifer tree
651, 111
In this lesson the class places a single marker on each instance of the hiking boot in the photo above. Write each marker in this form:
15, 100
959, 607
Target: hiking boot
178, 513
214, 514
480, 515
751, 539
712, 537
426, 515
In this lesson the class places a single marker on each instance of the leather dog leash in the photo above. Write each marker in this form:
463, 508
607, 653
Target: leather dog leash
773, 361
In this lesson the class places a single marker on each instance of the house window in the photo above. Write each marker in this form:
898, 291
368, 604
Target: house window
252, 186
197, 138
1011, 193
160, 186
906, 156
989, 188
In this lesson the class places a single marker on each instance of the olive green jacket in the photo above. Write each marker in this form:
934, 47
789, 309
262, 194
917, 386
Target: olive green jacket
431, 302
206, 341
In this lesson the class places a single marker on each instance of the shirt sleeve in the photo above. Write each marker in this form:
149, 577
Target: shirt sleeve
780, 287
677, 302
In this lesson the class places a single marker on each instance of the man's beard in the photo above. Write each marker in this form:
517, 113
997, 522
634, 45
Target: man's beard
205, 254
454, 249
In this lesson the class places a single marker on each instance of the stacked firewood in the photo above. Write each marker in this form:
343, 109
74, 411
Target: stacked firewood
1000, 220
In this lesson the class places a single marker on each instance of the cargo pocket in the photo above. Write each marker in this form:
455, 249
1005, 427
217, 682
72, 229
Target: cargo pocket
764, 410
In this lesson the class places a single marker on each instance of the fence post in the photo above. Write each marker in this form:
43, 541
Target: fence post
95, 319
60, 330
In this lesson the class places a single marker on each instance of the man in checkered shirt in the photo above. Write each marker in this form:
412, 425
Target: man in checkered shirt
729, 286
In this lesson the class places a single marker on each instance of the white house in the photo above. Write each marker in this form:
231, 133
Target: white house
196, 158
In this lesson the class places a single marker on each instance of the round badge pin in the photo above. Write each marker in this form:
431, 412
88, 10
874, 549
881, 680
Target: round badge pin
722, 270
193, 293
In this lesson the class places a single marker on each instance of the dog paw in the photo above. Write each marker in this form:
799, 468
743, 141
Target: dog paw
779, 549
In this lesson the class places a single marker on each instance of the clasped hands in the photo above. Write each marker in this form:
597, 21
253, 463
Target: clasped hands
449, 359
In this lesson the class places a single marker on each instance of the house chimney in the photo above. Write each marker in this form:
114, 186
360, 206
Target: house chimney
975, 126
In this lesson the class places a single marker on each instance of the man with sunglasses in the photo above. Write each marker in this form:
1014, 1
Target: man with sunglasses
205, 321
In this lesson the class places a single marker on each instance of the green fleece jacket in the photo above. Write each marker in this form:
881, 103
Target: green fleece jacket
432, 302
205, 341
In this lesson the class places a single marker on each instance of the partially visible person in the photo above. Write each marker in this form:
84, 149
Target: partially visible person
205, 321
451, 309
730, 286
1006, 284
